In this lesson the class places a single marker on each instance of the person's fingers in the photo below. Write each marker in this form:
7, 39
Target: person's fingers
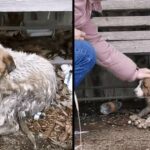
82, 34
79, 34
146, 70
79, 38
147, 75
143, 75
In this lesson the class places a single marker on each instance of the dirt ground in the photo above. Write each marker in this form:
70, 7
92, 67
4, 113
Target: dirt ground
112, 132
20, 142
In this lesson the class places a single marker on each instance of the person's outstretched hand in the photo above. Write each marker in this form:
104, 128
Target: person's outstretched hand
79, 35
143, 73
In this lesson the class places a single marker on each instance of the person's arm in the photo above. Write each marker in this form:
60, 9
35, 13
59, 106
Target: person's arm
107, 56
110, 58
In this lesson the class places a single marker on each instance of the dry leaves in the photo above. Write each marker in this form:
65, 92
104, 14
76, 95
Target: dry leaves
57, 124
55, 127
63, 93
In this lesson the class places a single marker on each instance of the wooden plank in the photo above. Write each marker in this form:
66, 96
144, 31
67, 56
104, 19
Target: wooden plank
139, 46
126, 35
125, 4
13, 28
35, 5
122, 21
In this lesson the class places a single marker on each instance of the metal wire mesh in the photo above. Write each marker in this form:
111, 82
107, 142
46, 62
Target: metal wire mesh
102, 85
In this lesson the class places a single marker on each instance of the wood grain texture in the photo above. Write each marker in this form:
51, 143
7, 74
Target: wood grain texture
126, 35
35, 5
122, 21
139, 46
125, 4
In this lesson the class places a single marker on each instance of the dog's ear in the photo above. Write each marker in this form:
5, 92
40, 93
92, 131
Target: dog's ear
146, 87
9, 62
145, 91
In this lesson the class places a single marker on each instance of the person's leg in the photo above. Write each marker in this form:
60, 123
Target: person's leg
84, 60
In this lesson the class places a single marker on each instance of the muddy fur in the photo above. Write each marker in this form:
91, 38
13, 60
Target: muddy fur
28, 89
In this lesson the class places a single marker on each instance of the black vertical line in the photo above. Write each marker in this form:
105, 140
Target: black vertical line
73, 109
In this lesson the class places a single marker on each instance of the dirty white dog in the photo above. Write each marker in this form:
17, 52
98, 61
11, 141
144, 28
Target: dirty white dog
142, 90
28, 89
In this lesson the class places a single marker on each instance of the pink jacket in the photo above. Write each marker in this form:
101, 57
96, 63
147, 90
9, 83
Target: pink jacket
107, 56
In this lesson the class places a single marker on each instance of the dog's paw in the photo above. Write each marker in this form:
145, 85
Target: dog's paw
133, 118
144, 124
139, 122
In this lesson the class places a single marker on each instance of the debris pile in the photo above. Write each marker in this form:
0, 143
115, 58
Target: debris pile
48, 47
56, 125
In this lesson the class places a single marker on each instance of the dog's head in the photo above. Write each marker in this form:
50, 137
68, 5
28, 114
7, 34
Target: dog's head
143, 89
7, 63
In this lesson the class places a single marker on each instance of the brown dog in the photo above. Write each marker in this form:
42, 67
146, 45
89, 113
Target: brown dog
6, 63
142, 90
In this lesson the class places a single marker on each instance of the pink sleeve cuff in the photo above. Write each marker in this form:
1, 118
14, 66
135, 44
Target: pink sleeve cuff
135, 75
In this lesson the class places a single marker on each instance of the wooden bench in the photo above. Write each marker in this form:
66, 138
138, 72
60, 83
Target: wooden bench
135, 39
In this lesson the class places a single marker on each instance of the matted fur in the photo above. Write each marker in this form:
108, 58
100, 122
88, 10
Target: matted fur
28, 89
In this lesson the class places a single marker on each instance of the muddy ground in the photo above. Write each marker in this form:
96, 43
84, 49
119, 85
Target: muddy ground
20, 142
112, 132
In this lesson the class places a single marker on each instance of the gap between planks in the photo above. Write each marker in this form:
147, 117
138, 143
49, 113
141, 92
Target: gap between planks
122, 21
